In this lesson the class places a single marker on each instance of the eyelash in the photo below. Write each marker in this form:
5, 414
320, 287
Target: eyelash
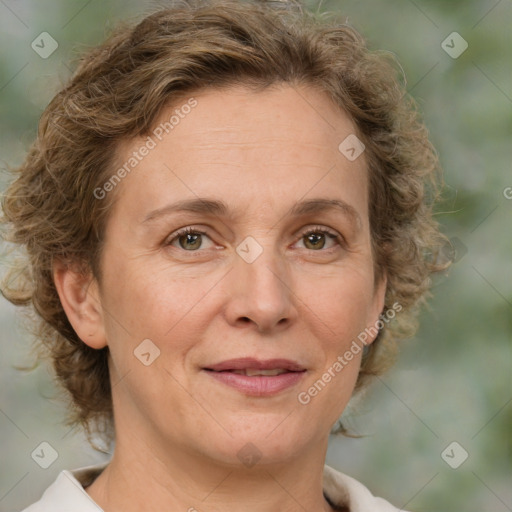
192, 230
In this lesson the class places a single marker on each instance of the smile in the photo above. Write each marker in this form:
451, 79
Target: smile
257, 378
252, 372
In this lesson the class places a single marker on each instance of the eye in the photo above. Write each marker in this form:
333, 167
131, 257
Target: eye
189, 239
316, 238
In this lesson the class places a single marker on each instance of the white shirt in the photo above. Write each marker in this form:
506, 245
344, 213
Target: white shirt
67, 493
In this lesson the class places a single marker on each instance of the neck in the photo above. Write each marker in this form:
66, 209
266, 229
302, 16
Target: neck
140, 477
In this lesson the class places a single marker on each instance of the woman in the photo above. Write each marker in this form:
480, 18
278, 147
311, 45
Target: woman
227, 217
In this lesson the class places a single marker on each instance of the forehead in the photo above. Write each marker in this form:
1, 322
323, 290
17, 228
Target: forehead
278, 115
256, 148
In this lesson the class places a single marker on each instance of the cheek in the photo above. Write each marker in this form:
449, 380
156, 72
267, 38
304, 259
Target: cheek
336, 314
340, 306
147, 302
326, 393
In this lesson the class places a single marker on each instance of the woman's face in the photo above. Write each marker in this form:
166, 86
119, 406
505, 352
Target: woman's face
253, 173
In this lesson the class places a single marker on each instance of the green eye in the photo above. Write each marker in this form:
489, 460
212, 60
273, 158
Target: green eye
189, 239
315, 239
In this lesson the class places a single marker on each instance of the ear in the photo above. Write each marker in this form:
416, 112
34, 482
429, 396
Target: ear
79, 295
379, 297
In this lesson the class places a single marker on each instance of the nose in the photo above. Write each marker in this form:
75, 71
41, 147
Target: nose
260, 293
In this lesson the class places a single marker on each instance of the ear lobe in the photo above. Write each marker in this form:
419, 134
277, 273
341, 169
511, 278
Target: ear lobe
379, 298
79, 295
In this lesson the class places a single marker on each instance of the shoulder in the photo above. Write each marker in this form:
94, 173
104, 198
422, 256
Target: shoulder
344, 491
67, 492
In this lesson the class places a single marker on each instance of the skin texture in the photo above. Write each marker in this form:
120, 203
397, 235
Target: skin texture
178, 430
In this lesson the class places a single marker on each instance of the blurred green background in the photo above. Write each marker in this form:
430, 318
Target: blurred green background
452, 382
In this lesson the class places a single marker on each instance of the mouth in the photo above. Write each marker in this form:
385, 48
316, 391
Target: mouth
255, 377
252, 364
254, 372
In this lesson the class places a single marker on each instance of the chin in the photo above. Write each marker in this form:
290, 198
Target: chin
268, 442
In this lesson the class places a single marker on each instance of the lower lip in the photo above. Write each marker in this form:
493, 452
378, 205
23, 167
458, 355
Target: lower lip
258, 385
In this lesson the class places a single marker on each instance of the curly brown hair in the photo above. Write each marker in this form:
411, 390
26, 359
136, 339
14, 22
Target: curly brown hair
117, 93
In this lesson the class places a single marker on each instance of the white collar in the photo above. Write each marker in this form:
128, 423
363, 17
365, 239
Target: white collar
67, 493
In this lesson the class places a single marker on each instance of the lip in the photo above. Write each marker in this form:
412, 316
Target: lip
257, 385
257, 364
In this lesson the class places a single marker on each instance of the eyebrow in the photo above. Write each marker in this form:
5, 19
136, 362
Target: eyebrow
219, 208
